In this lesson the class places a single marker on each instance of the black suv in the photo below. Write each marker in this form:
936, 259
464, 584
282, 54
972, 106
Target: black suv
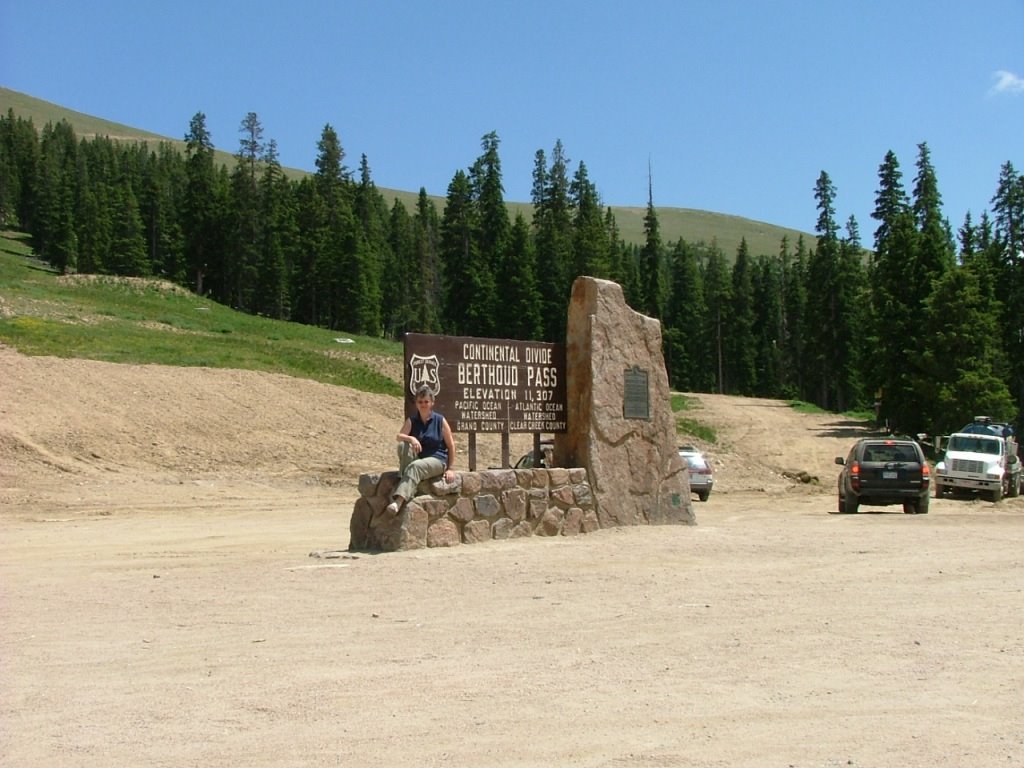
883, 471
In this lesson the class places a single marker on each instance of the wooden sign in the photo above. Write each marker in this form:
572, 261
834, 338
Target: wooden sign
489, 385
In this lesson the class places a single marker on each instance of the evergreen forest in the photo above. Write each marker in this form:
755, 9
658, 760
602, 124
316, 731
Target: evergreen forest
925, 324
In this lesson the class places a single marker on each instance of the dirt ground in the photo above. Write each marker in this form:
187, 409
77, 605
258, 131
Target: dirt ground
159, 605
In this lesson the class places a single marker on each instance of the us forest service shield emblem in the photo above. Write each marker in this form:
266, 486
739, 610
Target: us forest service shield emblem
424, 372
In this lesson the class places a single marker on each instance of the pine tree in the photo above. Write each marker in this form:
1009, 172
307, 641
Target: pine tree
896, 309
307, 294
372, 219
277, 236
822, 305
93, 222
492, 228
200, 205
1008, 212
687, 355
19, 169
794, 313
590, 238
489, 193
986, 259
967, 238
652, 282
400, 289
894, 300
127, 243
717, 296
19, 150
219, 237
243, 257
10, 184
768, 327
468, 282
835, 286
251, 147
852, 300
519, 308
553, 234
340, 271
160, 205
1006, 253
429, 297
740, 345
913, 249
890, 201
936, 243
623, 261
963, 357
53, 229
331, 171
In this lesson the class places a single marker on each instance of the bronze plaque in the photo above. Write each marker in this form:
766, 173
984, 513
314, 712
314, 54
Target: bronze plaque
636, 394
489, 385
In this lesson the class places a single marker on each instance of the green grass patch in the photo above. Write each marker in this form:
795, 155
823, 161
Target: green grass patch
148, 321
801, 406
859, 414
682, 403
854, 414
687, 426
696, 429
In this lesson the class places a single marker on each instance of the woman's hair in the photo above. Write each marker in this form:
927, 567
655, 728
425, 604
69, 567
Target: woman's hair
424, 391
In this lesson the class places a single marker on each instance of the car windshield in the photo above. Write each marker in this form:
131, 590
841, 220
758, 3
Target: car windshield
694, 460
974, 445
886, 452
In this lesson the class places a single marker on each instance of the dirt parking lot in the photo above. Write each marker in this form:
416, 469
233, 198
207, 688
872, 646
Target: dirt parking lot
160, 606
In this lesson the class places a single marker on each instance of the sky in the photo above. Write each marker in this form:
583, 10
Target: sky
721, 105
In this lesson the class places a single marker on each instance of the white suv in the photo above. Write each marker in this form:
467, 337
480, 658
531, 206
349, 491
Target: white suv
702, 476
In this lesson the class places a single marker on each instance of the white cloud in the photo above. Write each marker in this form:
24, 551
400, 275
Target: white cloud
1006, 82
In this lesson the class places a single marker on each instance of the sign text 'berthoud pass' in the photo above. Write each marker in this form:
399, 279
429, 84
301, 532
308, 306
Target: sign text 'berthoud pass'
489, 385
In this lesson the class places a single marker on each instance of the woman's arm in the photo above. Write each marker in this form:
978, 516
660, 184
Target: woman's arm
449, 441
403, 436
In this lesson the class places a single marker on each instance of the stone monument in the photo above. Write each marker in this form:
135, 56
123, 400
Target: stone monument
620, 423
617, 464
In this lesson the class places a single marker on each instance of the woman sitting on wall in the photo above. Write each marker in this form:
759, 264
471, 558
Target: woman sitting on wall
426, 449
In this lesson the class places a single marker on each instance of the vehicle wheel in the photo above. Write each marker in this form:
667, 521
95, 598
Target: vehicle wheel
922, 505
841, 505
909, 507
1014, 490
996, 495
852, 503
703, 495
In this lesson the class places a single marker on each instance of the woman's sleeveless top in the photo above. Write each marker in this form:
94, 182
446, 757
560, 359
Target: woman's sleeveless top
431, 436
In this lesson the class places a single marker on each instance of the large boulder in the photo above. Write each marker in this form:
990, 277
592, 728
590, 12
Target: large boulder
620, 421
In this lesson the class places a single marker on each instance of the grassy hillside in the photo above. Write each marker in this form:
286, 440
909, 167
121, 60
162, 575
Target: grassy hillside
692, 225
133, 320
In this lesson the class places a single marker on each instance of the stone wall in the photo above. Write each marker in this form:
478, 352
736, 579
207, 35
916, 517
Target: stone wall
477, 506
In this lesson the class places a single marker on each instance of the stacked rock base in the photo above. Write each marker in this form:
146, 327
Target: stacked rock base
475, 507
